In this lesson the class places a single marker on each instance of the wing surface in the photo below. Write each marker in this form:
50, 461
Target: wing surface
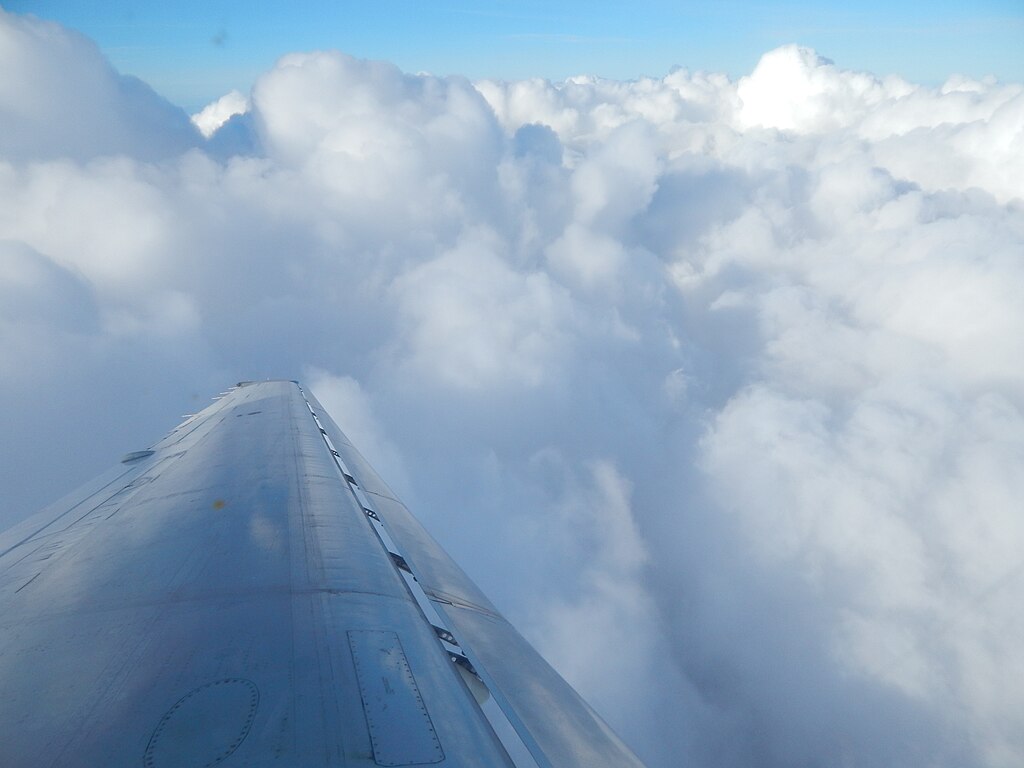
248, 591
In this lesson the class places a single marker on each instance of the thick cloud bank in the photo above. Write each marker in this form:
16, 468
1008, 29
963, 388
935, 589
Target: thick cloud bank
717, 387
60, 98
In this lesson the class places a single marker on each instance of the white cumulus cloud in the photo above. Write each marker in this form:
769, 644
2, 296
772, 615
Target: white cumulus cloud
213, 116
60, 98
715, 386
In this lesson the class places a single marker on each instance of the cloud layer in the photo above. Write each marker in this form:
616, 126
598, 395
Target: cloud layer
714, 386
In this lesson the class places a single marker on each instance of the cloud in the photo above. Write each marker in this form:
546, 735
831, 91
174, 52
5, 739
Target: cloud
36, 291
472, 322
61, 98
343, 394
212, 117
714, 386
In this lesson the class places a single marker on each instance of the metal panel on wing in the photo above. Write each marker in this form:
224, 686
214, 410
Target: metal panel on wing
246, 591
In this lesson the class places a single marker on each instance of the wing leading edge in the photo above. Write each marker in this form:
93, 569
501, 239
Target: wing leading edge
249, 592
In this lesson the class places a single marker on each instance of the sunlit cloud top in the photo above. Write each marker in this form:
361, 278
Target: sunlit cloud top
192, 52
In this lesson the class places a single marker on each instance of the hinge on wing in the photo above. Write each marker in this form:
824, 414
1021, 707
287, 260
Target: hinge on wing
400, 562
463, 662
445, 635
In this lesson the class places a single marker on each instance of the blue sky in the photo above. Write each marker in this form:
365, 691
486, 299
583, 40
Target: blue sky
192, 52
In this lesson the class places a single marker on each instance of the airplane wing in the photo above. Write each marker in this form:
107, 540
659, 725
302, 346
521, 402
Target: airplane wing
248, 592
